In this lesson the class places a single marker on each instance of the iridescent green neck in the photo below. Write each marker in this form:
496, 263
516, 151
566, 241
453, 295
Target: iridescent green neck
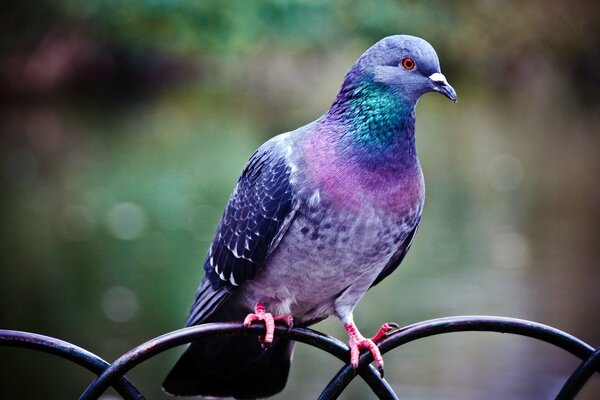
374, 118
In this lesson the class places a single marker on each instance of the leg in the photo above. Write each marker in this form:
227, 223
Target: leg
357, 342
261, 315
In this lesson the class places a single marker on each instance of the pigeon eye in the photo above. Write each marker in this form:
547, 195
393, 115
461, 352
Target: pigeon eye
408, 63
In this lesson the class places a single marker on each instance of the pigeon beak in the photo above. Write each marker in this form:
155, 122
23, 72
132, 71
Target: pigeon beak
440, 84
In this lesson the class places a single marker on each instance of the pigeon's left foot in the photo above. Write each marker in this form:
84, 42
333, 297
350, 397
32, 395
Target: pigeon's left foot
261, 315
357, 342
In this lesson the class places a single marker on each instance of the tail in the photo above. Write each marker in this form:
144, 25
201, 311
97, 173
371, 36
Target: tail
231, 366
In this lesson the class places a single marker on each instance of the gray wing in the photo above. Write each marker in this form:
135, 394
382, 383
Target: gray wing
397, 258
256, 217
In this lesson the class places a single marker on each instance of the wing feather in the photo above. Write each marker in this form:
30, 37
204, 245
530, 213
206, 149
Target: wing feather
397, 258
255, 219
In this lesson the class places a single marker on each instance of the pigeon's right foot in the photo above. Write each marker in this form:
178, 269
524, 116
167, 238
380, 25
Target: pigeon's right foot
357, 342
261, 315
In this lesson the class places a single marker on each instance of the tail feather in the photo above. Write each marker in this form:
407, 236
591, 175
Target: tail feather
231, 367
209, 298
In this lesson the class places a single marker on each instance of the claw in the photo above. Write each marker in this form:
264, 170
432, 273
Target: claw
263, 343
380, 369
261, 315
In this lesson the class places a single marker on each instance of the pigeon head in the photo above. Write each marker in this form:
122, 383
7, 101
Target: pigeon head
376, 103
406, 65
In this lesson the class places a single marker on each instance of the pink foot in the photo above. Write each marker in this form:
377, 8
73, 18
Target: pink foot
357, 342
261, 315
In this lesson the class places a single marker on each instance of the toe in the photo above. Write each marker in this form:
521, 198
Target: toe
374, 350
286, 319
270, 328
249, 319
384, 330
354, 353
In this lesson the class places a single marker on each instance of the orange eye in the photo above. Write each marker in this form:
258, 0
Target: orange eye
408, 64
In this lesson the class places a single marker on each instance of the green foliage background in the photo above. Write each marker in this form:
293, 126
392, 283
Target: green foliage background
124, 126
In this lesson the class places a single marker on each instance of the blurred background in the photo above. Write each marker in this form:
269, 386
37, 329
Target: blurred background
124, 126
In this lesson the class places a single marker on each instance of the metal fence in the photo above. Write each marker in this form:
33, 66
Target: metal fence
114, 374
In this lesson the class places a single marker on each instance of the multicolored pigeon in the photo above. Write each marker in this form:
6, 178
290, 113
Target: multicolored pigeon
319, 216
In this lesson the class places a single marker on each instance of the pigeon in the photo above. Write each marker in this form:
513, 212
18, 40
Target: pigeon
319, 216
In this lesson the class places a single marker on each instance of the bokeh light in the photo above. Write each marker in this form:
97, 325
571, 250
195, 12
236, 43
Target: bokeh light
126, 221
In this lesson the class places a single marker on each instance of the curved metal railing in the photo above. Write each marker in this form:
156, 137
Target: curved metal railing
114, 374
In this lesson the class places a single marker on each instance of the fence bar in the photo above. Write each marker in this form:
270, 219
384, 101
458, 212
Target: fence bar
182, 336
579, 378
337, 385
70, 352
113, 374
461, 324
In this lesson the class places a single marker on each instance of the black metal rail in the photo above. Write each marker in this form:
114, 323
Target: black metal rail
114, 374
68, 351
